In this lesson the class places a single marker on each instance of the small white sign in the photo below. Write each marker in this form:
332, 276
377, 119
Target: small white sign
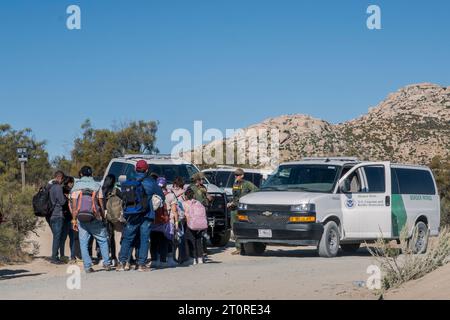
264, 233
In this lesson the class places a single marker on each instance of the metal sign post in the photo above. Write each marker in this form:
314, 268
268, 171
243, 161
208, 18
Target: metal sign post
23, 158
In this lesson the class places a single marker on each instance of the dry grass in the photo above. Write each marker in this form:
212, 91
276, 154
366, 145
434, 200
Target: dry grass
399, 264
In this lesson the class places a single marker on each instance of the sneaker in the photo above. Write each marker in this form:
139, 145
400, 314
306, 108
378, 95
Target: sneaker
114, 263
155, 264
56, 261
195, 262
141, 268
107, 268
121, 267
90, 270
172, 263
236, 252
201, 260
64, 259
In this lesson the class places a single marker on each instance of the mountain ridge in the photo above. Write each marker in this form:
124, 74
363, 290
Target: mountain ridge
411, 125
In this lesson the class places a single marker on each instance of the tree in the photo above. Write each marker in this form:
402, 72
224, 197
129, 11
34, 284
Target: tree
37, 168
16, 212
96, 147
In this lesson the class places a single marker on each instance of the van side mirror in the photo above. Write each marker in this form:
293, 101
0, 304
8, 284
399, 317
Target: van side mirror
345, 186
122, 178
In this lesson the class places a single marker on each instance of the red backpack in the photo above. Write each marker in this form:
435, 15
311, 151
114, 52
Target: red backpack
162, 215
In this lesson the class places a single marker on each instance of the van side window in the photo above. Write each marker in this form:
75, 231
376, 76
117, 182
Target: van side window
116, 169
130, 172
394, 182
355, 184
415, 181
375, 178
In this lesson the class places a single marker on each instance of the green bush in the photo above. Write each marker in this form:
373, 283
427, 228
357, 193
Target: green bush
19, 222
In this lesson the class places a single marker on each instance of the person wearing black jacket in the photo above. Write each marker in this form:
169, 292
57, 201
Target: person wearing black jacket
74, 241
56, 221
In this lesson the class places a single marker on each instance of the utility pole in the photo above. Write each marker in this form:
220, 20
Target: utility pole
23, 159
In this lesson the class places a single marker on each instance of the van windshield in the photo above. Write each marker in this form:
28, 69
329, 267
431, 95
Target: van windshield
299, 177
168, 171
225, 179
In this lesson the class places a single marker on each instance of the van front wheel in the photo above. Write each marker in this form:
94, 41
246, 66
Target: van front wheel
418, 242
329, 243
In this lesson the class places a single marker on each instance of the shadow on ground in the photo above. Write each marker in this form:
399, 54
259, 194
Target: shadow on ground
309, 253
7, 274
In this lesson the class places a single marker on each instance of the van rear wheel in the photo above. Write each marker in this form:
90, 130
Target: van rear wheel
418, 243
329, 242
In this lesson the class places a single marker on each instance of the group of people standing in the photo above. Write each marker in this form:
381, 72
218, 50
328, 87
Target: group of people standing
168, 220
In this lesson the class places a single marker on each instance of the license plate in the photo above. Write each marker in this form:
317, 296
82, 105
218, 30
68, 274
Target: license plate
264, 233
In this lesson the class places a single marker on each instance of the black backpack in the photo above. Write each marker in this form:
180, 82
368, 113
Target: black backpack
42, 204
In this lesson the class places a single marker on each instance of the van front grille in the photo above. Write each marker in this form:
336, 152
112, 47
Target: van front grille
273, 220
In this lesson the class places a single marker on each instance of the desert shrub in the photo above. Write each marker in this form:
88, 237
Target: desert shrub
399, 264
18, 222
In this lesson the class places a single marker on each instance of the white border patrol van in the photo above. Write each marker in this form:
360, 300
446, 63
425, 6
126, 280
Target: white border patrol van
337, 203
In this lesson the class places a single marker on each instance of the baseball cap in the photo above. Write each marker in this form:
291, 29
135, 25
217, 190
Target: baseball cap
142, 166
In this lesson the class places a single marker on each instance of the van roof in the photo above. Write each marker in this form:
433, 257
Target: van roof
151, 158
340, 161
231, 169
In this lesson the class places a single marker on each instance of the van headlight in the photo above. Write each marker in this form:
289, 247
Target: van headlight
242, 206
304, 207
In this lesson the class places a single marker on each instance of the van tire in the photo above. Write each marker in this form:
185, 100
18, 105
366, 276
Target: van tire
221, 239
254, 248
418, 243
329, 242
350, 247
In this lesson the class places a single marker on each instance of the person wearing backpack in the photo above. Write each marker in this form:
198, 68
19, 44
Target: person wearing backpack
56, 219
137, 196
177, 190
114, 213
162, 231
197, 223
74, 243
88, 215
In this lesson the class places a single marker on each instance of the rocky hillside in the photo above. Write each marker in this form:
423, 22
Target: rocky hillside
411, 125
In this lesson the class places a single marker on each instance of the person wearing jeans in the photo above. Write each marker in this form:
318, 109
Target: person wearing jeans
93, 227
96, 229
59, 231
136, 226
139, 223
56, 221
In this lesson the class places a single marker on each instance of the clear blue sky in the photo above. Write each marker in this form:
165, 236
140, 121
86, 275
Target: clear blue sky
230, 63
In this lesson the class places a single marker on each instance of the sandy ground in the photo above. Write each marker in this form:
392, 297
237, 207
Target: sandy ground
282, 273
434, 286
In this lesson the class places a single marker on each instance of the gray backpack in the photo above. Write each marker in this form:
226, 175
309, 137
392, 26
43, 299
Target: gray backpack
114, 207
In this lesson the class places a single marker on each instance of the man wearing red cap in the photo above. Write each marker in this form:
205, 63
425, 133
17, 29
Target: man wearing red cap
139, 224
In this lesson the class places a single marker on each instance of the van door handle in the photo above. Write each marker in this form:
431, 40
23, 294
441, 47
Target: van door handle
388, 201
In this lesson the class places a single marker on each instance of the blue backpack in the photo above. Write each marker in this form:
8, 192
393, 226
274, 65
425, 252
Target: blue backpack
134, 198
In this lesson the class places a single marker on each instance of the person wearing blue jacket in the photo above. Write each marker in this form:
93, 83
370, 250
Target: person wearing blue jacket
139, 224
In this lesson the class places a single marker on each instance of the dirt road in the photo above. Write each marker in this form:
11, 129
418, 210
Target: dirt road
282, 273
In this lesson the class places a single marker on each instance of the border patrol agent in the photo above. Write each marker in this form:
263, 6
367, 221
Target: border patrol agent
241, 188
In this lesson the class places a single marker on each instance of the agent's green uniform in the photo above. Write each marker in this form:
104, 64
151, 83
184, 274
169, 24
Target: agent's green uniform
200, 194
240, 189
